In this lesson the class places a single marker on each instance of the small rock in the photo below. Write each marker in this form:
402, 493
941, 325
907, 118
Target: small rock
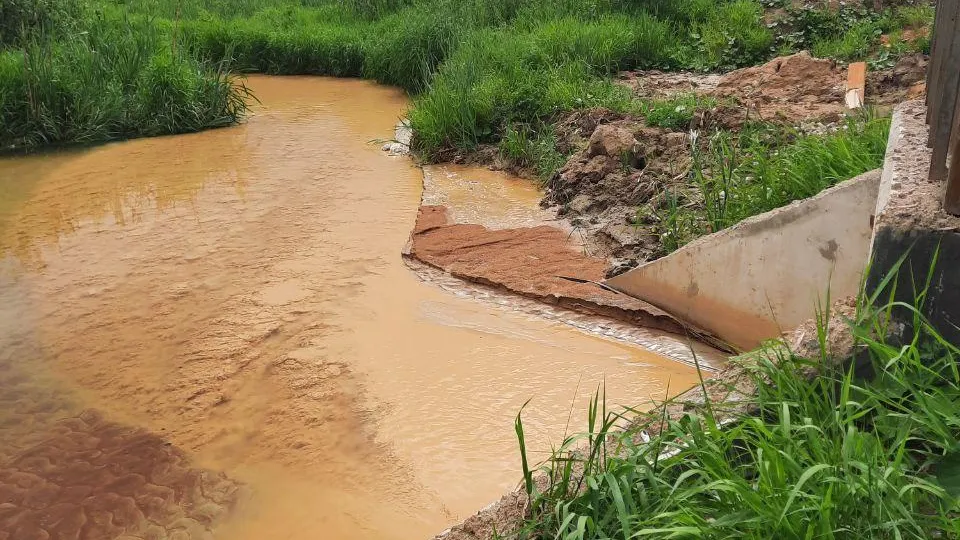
676, 139
580, 204
619, 266
612, 141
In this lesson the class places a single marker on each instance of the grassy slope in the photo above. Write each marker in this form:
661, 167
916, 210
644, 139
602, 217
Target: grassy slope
476, 66
764, 167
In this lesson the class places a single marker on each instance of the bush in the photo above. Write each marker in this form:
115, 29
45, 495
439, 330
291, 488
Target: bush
113, 82
22, 20
733, 36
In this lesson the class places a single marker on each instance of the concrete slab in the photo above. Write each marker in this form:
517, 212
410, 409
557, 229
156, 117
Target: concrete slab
764, 276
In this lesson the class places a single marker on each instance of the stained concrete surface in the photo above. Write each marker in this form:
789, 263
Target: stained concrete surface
765, 275
911, 223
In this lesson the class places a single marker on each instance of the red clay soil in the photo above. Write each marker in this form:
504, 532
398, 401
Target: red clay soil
531, 261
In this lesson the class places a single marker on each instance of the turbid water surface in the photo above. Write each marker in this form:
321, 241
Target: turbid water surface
214, 336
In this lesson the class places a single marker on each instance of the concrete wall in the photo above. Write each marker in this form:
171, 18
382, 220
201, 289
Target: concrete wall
913, 230
763, 276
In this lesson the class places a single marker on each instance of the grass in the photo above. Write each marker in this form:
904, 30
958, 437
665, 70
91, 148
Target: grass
110, 82
764, 167
474, 67
532, 149
676, 112
19, 19
822, 452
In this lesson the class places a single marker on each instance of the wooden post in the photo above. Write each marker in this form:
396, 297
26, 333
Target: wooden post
951, 196
946, 74
933, 68
856, 84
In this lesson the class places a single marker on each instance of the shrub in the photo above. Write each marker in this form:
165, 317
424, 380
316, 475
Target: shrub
22, 20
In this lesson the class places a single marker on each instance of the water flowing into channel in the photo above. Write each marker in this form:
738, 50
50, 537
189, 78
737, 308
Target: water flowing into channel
214, 336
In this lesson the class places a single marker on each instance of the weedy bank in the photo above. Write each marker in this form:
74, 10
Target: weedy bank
145, 67
824, 451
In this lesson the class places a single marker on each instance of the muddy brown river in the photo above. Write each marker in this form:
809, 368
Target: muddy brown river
214, 336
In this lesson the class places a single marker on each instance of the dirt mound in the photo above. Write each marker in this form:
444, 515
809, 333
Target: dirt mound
798, 76
600, 192
656, 84
792, 88
575, 129
904, 81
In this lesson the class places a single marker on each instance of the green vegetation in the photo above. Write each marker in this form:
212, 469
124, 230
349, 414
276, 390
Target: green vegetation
818, 452
855, 32
475, 67
675, 113
20, 19
765, 166
110, 81
532, 149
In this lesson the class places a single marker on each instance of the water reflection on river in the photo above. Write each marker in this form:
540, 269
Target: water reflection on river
213, 335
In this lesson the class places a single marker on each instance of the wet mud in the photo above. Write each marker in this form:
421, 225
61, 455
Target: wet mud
214, 336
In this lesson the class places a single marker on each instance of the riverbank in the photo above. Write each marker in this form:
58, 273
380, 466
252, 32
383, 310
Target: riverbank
84, 71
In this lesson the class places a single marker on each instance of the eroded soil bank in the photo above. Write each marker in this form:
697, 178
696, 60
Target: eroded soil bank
636, 186
214, 336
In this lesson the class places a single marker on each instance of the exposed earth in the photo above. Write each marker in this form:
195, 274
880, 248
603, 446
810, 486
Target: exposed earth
621, 172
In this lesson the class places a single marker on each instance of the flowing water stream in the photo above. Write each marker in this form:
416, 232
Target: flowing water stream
214, 336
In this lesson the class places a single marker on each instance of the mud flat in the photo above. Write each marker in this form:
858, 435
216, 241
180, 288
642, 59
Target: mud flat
221, 321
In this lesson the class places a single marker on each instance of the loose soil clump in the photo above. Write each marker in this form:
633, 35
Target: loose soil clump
624, 165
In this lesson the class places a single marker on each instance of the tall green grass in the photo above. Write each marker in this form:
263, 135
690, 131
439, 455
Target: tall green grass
764, 176
765, 166
475, 67
817, 452
501, 76
111, 82
19, 19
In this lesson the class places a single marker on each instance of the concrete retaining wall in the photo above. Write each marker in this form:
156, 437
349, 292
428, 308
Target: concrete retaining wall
763, 276
912, 223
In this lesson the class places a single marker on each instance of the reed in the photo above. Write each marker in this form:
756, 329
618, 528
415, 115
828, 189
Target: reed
110, 82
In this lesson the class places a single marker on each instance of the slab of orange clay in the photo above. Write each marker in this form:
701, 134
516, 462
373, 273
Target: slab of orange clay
530, 261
